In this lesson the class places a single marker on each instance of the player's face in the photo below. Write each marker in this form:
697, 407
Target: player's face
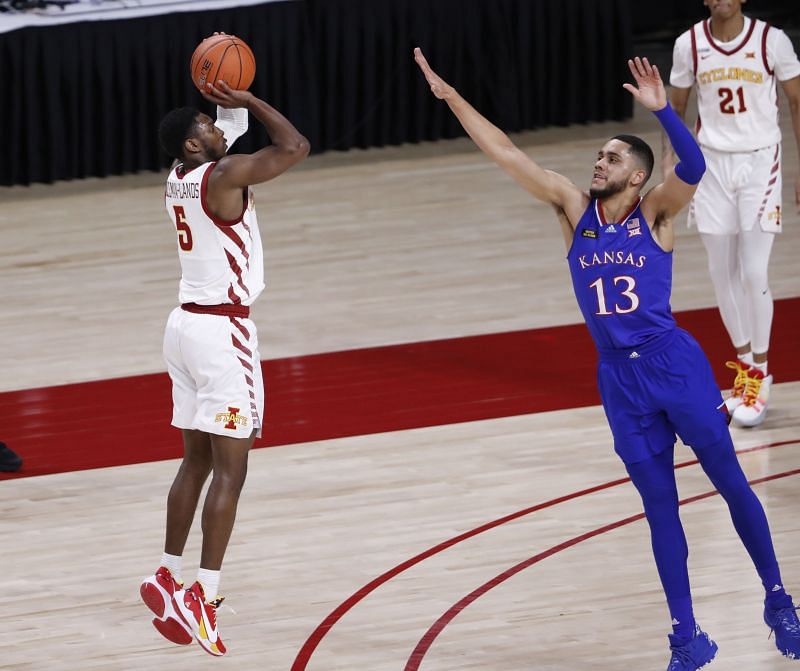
724, 9
612, 170
211, 138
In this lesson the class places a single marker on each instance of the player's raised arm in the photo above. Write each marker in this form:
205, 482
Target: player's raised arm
679, 185
679, 99
288, 146
543, 184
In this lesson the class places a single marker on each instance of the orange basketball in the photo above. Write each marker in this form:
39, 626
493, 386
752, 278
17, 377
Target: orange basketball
224, 57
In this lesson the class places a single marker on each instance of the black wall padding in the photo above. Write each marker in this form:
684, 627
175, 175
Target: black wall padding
85, 99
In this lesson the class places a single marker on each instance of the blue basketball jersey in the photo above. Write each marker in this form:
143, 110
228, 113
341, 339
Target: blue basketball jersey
622, 279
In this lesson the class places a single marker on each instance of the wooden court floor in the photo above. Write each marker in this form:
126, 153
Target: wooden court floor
499, 545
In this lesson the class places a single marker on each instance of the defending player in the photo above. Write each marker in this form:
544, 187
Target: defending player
210, 344
735, 63
654, 380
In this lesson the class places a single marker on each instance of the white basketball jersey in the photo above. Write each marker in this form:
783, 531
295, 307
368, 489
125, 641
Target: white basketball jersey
221, 261
736, 81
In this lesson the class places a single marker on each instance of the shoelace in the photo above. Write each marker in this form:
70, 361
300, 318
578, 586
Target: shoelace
680, 655
741, 378
752, 389
212, 613
788, 616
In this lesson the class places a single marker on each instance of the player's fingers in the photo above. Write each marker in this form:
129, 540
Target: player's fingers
212, 98
656, 73
630, 88
223, 86
634, 70
422, 61
213, 93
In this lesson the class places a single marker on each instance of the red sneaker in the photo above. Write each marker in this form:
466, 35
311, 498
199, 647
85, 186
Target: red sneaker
157, 592
201, 617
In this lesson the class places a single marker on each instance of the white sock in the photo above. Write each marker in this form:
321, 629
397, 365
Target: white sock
173, 563
210, 583
761, 366
746, 358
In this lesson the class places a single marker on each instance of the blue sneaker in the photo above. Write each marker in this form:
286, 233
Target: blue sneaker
786, 626
692, 655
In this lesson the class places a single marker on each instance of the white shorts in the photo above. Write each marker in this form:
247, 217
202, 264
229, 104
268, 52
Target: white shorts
738, 192
214, 365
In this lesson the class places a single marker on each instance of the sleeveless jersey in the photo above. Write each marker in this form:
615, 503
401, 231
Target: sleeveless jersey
736, 82
622, 279
221, 261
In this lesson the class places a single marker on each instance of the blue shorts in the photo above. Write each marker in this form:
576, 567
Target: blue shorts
664, 388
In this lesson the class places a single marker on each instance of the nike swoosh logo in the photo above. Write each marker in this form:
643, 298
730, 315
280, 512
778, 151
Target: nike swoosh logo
206, 630
702, 58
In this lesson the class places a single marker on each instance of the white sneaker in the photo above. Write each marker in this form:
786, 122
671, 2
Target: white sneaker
737, 393
753, 409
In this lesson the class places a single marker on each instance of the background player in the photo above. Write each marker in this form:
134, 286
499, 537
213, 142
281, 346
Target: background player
735, 63
211, 345
654, 379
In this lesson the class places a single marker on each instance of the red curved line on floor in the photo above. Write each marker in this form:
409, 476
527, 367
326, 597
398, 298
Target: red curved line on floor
437, 627
307, 650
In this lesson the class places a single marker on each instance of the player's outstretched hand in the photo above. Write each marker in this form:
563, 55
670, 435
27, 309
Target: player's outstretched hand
440, 88
224, 96
650, 92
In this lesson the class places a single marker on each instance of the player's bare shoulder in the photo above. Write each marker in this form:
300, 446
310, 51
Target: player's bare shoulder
572, 200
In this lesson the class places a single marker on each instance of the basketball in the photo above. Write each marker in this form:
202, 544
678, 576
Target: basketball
224, 57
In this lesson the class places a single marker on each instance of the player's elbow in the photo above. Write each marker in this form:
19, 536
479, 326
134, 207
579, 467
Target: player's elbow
692, 170
298, 148
794, 105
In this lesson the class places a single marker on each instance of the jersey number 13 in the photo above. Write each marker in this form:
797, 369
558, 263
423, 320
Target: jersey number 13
632, 299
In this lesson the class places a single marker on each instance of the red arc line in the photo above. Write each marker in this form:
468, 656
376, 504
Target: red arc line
416, 657
312, 642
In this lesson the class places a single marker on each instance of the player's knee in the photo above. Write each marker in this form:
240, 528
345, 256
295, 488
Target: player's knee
755, 277
659, 502
722, 271
197, 461
231, 475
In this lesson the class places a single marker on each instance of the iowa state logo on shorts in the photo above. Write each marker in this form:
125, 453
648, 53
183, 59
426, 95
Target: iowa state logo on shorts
233, 420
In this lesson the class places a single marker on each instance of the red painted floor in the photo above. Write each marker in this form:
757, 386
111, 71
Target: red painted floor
355, 392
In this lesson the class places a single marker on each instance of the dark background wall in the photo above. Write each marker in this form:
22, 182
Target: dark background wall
85, 99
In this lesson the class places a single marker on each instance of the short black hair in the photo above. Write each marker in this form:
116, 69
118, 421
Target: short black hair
641, 152
174, 128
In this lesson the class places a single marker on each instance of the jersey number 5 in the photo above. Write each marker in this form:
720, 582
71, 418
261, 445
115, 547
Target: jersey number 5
184, 232
597, 285
726, 104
